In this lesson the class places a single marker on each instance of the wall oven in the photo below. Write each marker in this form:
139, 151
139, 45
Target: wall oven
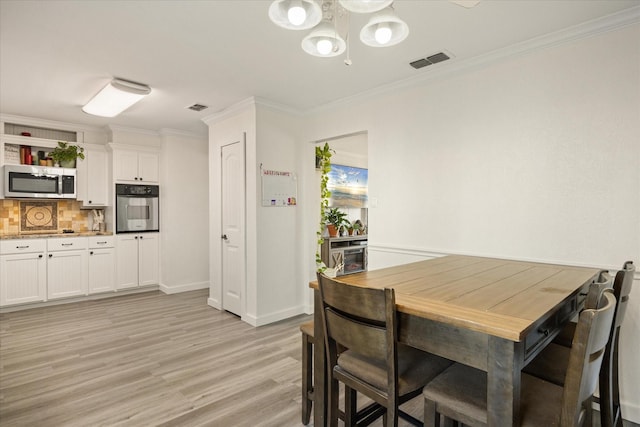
39, 182
137, 208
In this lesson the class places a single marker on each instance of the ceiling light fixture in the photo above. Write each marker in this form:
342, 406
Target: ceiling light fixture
383, 29
365, 6
116, 97
324, 40
295, 14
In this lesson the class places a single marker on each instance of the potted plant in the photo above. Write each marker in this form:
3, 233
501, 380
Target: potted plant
323, 164
354, 226
335, 219
65, 154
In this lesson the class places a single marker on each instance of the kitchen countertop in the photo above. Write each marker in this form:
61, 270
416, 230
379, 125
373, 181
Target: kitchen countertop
60, 234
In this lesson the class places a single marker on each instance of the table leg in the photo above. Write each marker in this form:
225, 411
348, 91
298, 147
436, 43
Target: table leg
319, 366
504, 363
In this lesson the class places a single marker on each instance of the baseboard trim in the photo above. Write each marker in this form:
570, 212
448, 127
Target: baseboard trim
70, 300
212, 302
273, 317
184, 288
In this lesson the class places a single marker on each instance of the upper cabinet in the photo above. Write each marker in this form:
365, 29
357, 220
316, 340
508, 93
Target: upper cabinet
31, 143
93, 186
136, 166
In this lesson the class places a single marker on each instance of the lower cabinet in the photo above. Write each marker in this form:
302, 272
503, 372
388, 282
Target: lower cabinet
23, 271
137, 260
102, 264
37, 270
67, 267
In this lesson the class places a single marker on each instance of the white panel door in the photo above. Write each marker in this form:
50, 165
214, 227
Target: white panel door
233, 224
102, 270
127, 261
148, 256
67, 274
23, 278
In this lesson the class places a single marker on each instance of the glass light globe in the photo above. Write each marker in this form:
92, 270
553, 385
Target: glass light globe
324, 46
383, 34
296, 14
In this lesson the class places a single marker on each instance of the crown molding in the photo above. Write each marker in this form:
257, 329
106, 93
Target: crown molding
117, 128
232, 110
277, 106
455, 67
181, 133
49, 124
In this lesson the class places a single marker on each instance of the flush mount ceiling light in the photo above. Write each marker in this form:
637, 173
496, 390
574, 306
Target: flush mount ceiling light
116, 97
295, 14
383, 29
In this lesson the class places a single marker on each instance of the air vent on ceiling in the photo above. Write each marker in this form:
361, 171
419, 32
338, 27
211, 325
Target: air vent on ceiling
197, 107
429, 60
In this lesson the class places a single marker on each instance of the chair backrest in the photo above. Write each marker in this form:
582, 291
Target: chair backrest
587, 350
360, 319
594, 296
609, 389
621, 290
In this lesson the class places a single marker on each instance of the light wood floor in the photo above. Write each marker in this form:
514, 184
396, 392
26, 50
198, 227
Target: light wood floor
147, 360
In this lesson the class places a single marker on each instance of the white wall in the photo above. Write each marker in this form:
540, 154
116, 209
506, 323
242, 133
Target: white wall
272, 290
534, 157
184, 219
279, 295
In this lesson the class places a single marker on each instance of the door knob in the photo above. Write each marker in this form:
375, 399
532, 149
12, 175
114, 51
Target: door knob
224, 237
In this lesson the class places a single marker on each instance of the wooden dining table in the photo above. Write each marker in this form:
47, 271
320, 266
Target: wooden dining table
491, 314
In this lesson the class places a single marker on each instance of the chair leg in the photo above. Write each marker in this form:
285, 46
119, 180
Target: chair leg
350, 407
431, 417
307, 378
333, 398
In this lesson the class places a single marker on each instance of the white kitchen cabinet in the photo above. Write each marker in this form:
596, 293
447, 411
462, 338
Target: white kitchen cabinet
136, 166
102, 264
137, 260
67, 267
93, 188
23, 271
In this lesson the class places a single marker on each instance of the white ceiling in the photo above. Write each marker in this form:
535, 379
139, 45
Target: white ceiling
55, 55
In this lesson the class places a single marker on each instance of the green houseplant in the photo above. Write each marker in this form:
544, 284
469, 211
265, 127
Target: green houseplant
66, 154
335, 219
323, 164
354, 226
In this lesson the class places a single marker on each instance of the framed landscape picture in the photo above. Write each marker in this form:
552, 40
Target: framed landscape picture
348, 186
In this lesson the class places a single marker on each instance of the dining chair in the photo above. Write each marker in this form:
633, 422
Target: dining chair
460, 392
551, 364
307, 370
360, 331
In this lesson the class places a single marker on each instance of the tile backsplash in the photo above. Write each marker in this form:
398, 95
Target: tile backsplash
51, 216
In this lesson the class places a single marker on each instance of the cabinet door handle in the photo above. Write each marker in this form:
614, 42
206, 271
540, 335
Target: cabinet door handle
67, 244
40, 256
141, 237
91, 253
50, 255
136, 237
22, 247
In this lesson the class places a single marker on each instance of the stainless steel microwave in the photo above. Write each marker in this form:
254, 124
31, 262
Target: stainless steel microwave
42, 182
